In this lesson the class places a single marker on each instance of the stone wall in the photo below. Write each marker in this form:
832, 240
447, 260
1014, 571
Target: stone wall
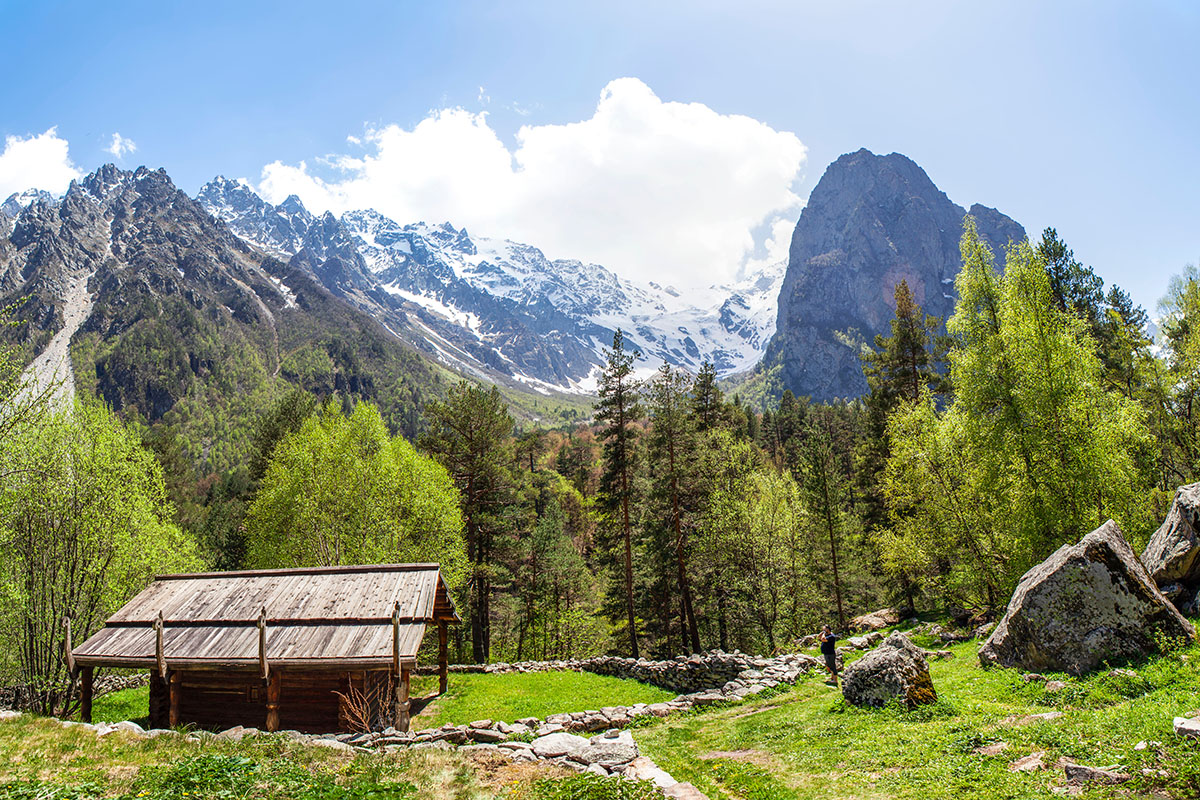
683, 674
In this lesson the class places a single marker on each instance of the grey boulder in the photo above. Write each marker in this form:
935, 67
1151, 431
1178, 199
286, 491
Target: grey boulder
1173, 555
896, 670
1086, 604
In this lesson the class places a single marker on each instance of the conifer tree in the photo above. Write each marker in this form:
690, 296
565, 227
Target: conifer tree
471, 434
672, 449
617, 409
708, 402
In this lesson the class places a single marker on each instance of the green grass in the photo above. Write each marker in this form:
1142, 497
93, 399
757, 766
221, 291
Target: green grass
39, 759
807, 743
803, 742
530, 694
131, 704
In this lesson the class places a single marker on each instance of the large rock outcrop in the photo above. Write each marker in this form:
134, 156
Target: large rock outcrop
870, 222
896, 670
1173, 555
1087, 604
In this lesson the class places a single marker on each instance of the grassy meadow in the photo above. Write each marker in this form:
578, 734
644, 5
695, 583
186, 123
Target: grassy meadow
802, 742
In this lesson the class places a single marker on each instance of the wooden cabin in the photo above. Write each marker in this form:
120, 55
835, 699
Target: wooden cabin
316, 650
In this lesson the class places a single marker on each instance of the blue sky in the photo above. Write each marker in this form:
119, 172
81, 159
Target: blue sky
1079, 115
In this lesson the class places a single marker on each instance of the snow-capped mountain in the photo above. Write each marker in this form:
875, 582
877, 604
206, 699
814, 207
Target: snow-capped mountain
493, 305
21, 200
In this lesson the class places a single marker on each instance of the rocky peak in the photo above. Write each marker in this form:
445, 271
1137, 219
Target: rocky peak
19, 201
870, 222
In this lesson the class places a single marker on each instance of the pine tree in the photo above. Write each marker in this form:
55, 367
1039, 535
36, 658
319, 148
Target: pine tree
708, 403
616, 410
672, 449
471, 434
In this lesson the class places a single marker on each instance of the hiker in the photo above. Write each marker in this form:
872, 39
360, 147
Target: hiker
828, 643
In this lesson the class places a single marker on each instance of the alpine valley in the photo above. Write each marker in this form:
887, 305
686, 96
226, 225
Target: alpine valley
190, 308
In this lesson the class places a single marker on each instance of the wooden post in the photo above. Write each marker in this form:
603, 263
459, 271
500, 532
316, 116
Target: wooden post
262, 645
443, 658
160, 657
273, 703
396, 640
159, 701
173, 690
85, 689
402, 719
68, 650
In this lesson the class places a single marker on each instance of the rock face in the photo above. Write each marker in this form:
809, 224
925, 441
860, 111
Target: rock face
895, 670
1086, 604
1173, 555
870, 222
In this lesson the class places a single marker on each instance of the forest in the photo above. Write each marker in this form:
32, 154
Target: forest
679, 518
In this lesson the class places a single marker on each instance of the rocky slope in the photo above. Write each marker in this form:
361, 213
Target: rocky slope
502, 309
870, 222
181, 320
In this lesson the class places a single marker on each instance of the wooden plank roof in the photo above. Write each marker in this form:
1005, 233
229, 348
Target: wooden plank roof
335, 617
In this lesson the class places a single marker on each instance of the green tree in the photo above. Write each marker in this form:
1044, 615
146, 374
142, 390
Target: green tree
672, 445
899, 368
341, 490
708, 403
616, 411
1034, 452
471, 434
84, 525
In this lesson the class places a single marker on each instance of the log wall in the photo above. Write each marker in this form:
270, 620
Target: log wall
310, 702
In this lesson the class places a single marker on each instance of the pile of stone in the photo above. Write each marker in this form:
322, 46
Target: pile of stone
681, 674
26, 697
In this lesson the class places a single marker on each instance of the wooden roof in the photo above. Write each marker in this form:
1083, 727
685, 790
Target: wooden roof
322, 617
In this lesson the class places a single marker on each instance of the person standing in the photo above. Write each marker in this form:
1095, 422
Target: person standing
829, 650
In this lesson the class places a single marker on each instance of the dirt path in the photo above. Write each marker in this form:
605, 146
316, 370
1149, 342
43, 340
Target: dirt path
51, 370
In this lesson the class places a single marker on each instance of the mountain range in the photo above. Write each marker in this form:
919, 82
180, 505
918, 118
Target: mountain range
166, 301
500, 309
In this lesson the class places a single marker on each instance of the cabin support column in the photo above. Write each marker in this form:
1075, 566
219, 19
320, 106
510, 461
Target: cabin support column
160, 701
173, 690
86, 687
443, 658
402, 717
273, 703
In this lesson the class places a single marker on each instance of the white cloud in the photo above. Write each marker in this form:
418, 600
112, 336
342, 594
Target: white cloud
654, 190
121, 146
39, 161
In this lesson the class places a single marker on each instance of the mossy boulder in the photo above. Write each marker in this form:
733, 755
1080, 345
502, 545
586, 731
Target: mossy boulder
1087, 604
896, 670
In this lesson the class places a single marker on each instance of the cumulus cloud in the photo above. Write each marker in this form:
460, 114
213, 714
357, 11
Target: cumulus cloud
38, 161
667, 191
121, 146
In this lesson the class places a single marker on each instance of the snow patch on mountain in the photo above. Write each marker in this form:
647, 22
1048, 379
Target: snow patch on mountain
545, 322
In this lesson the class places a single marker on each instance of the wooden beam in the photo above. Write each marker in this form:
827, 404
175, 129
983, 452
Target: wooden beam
273, 691
262, 645
443, 658
86, 689
256, 573
173, 691
396, 640
68, 649
160, 658
402, 719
